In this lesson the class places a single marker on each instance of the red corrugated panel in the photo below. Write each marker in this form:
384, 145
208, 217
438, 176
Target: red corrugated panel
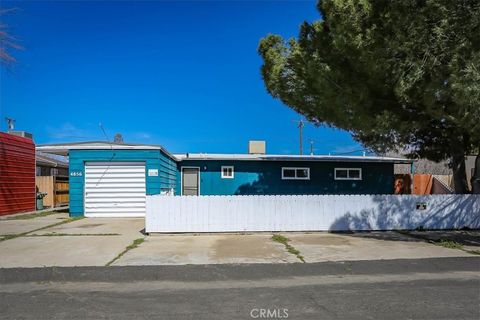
17, 174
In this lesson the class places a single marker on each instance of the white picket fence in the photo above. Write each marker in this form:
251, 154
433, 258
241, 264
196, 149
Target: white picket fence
310, 213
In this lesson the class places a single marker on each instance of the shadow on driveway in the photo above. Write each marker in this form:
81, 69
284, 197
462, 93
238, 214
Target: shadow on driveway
469, 238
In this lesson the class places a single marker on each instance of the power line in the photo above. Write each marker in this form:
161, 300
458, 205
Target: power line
108, 140
350, 152
103, 130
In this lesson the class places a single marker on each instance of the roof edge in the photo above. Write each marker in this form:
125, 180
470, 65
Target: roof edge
64, 148
272, 157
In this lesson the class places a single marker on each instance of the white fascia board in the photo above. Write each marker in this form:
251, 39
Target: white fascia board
253, 157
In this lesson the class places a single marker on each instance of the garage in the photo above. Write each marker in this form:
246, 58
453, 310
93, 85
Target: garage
110, 179
115, 189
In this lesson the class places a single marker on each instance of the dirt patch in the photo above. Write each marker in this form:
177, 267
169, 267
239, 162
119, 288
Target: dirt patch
326, 240
244, 246
91, 225
184, 242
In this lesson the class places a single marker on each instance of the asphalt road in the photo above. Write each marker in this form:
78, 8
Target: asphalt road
446, 288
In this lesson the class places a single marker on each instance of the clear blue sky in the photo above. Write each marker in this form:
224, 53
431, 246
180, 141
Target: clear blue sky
181, 74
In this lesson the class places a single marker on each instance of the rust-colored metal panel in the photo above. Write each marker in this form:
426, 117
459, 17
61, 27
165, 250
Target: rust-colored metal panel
17, 174
422, 184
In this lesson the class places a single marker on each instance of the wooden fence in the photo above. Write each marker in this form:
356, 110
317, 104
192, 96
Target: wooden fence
310, 213
57, 189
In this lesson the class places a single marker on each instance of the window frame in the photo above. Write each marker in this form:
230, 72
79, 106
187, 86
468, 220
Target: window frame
348, 174
223, 176
296, 177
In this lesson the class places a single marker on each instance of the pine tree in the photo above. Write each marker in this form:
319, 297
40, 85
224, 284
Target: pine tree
396, 74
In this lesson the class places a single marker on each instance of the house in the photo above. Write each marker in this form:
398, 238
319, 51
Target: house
109, 179
231, 174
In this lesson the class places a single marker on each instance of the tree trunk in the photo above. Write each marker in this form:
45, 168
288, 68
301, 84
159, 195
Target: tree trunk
459, 172
475, 180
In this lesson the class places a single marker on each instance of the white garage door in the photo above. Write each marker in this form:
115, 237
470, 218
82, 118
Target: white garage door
115, 189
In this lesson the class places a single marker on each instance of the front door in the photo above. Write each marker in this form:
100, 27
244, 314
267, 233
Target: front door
190, 179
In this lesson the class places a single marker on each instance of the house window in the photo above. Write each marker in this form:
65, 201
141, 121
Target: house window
227, 172
348, 174
296, 173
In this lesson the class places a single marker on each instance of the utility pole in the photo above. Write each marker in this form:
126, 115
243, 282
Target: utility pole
300, 126
10, 123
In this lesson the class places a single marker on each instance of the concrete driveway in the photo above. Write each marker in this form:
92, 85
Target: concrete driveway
207, 249
10, 225
319, 247
56, 240
260, 248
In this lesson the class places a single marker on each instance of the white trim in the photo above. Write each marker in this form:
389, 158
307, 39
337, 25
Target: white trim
63, 149
286, 157
181, 178
348, 174
114, 163
52, 149
296, 178
227, 167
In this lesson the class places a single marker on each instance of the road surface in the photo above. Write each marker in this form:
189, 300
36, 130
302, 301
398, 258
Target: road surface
444, 288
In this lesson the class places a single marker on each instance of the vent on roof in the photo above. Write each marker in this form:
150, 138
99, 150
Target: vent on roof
21, 134
256, 147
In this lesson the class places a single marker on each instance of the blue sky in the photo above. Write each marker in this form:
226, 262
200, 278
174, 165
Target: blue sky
182, 74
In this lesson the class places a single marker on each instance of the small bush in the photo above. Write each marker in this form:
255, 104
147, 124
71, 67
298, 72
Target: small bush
280, 238
451, 244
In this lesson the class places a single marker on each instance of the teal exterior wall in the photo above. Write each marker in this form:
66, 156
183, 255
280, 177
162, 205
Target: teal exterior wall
153, 159
265, 177
250, 177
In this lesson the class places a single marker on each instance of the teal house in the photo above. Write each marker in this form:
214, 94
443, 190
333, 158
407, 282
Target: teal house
112, 180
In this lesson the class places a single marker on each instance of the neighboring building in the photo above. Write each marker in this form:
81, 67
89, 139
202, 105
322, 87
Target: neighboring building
423, 166
17, 174
48, 165
434, 177
52, 179
108, 179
